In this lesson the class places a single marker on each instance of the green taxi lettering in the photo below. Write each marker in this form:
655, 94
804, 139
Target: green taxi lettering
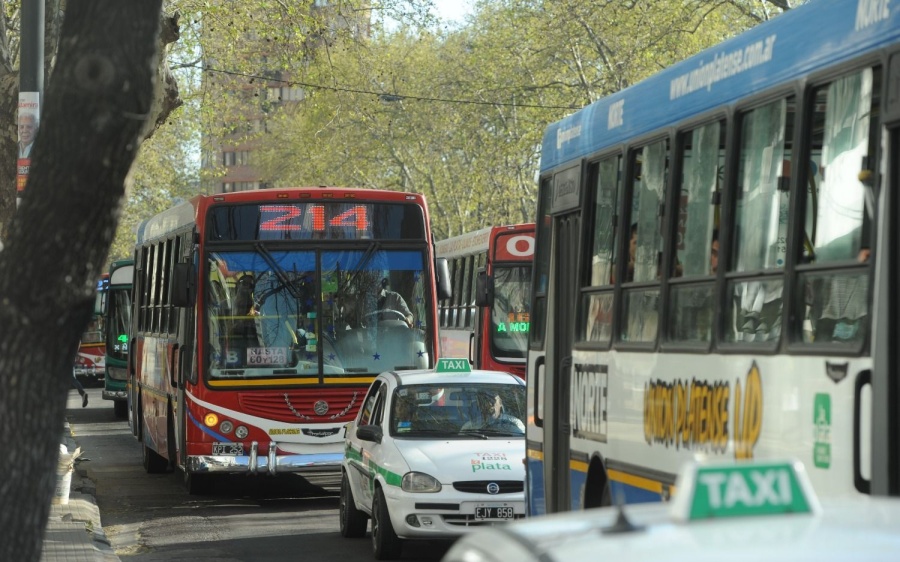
733, 490
453, 366
747, 490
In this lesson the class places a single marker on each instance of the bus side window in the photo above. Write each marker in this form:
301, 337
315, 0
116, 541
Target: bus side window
648, 184
697, 241
762, 213
837, 228
597, 306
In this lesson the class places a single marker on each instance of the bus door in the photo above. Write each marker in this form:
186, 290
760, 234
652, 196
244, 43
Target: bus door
884, 434
565, 242
184, 363
555, 289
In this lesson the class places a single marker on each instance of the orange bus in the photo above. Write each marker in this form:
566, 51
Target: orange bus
261, 317
487, 319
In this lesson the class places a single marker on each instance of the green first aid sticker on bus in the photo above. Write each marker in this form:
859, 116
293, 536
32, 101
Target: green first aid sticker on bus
453, 366
741, 490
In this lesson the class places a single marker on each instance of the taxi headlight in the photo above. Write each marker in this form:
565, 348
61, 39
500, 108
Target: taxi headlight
419, 482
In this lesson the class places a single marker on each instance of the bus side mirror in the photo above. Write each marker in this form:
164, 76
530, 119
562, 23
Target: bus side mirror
484, 289
100, 304
183, 290
442, 271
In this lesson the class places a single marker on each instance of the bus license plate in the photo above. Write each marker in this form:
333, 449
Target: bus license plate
228, 449
267, 356
494, 513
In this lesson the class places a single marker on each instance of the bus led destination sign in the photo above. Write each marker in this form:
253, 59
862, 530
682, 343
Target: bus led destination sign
316, 221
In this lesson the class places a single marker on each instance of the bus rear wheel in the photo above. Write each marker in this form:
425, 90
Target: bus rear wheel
154, 463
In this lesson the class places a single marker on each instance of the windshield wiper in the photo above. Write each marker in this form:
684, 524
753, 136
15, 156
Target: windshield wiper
366, 258
498, 432
474, 433
279, 271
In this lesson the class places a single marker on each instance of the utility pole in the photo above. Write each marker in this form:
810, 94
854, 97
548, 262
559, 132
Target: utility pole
31, 87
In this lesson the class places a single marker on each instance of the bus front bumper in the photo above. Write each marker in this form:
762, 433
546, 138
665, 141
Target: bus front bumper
254, 463
113, 394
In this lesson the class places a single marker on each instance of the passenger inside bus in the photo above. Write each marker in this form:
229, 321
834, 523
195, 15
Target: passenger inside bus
243, 330
838, 218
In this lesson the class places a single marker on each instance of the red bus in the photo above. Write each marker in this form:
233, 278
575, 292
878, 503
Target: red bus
487, 318
261, 317
90, 363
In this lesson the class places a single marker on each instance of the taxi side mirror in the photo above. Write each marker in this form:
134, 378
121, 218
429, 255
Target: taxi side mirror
371, 433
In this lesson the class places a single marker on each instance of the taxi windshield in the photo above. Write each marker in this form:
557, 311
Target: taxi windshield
464, 411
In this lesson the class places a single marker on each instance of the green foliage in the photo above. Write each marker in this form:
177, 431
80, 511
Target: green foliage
458, 114
166, 170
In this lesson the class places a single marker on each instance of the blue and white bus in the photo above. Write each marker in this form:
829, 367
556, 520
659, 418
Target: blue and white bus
716, 268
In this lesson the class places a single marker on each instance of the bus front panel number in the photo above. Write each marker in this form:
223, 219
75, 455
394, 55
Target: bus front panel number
290, 217
267, 356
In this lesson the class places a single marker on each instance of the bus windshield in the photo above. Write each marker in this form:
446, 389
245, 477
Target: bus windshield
119, 322
276, 313
510, 317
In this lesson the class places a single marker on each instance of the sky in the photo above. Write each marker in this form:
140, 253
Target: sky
452, 10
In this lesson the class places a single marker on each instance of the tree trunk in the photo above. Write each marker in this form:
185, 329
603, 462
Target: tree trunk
94, 111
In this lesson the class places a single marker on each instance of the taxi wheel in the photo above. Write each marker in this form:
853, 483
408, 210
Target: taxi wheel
353, 521
385, 542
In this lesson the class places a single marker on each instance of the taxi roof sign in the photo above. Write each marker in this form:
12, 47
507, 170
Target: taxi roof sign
453, 366
743, 489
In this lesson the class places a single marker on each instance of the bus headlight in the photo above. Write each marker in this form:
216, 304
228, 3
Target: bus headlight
117, 373
419, 482
241, 432
226, 426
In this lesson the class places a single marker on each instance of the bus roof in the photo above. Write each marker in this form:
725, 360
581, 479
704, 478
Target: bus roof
802, 40
185, 213
475, 241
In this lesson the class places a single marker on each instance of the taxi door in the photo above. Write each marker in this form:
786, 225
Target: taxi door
358, 451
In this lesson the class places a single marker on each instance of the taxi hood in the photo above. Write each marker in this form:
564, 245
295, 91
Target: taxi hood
450, 460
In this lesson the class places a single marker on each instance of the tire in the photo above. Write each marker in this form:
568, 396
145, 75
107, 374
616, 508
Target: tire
353, 521
386, 545
154, 463
120, 409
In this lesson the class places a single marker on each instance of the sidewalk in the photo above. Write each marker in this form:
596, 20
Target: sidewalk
74, 532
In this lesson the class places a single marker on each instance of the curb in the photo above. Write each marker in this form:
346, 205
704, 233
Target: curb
74, 532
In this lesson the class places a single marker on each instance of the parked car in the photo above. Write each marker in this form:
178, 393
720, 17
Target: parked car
434, 454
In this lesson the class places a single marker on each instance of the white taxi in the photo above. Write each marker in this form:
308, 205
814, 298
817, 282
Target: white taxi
434, 454
740, 511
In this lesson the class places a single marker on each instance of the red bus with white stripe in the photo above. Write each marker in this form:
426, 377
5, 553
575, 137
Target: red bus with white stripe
487, 319
259, 322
